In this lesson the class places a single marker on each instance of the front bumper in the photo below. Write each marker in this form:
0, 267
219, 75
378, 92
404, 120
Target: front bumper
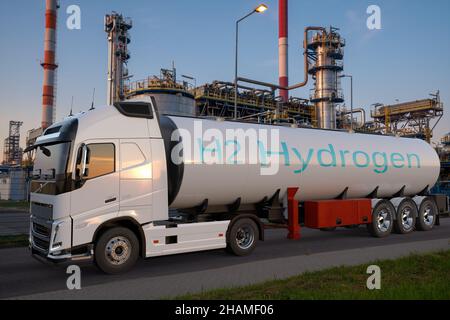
52, 240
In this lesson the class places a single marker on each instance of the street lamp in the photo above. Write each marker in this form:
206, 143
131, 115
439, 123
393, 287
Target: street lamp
351, 98
259, 9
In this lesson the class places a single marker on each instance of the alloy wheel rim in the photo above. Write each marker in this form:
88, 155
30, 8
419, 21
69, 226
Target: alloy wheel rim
383, 220
245, 237
118, 250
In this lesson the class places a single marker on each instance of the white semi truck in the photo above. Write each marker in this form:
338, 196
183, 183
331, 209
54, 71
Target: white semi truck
122, 182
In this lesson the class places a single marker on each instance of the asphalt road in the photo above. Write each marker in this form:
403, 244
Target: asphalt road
14, 222
22, 277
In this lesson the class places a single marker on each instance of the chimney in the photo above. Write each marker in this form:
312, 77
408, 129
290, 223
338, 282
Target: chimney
49, 64
283, 48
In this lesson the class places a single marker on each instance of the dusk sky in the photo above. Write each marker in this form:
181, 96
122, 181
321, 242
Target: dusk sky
406, 60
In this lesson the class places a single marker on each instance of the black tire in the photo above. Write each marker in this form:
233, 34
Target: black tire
242, 237
116, 251
382, 219
428, 213
406, 217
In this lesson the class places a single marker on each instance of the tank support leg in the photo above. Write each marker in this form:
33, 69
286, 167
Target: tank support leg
293, 223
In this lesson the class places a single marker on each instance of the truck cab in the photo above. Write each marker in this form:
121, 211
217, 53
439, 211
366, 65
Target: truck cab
105, 172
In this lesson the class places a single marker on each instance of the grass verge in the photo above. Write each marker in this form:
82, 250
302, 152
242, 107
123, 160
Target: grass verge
14, 204
414, 277
13, 241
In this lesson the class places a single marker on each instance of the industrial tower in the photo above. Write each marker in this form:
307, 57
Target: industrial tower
12, 154
116, 26
49, 64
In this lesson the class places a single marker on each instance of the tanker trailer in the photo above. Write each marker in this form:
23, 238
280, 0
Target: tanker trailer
122, 181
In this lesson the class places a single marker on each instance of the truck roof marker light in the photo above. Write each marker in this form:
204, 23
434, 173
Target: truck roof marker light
155, 241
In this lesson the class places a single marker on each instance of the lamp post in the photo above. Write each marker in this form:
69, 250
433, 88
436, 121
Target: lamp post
351, 98
259, 9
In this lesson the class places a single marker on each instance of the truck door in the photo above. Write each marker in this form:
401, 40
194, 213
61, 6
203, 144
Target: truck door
136, 177
95, 198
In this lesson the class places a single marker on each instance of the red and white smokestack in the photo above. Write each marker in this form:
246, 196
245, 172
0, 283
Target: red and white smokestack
49, 63
283, 48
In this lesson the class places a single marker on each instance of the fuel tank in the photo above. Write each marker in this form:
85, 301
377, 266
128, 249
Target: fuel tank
223, 161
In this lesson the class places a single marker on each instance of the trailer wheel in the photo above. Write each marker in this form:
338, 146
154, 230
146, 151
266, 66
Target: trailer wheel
242, 237
382, 219
406, 217
428, 212
116, 251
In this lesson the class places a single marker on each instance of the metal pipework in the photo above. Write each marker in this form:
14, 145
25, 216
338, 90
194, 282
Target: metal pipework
326, 48
49, 63
358, 110
306, 67
116, 26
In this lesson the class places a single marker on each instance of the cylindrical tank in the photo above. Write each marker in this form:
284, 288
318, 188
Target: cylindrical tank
178, 104
328, 54
323, 164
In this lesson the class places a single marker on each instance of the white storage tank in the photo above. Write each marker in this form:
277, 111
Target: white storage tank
323, 164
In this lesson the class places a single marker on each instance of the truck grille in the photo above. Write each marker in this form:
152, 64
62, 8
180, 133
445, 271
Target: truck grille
41, 226
41, 234
41, 230
41, 243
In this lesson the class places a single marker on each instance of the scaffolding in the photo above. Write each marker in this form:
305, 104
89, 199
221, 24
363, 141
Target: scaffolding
216, 99
165, 82
443, 149
409, 119
12, 154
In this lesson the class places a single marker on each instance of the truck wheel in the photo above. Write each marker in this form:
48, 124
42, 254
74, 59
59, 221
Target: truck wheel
116, 251
406, 217
382, 219
428, 212
242, 237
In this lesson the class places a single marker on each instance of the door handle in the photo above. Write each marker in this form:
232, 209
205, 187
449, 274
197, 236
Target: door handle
111, 200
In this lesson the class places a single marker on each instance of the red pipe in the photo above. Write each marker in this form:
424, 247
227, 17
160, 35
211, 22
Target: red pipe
49, 63
283, 48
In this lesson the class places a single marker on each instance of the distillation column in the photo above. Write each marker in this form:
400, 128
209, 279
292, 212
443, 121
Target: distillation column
326, 65
116, 26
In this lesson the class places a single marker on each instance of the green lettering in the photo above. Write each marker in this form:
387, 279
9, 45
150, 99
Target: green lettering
356, 162
411, 157
398, 160
305, 164
383, 166
332, 155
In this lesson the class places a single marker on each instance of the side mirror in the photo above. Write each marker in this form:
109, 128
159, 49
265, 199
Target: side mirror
82, 161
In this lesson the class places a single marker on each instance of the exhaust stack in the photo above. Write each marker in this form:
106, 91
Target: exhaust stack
283, 48
49, 63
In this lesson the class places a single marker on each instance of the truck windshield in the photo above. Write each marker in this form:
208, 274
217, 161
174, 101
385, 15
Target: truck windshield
50, 169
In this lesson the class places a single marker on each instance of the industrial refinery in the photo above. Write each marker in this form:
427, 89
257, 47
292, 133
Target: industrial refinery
150, 169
